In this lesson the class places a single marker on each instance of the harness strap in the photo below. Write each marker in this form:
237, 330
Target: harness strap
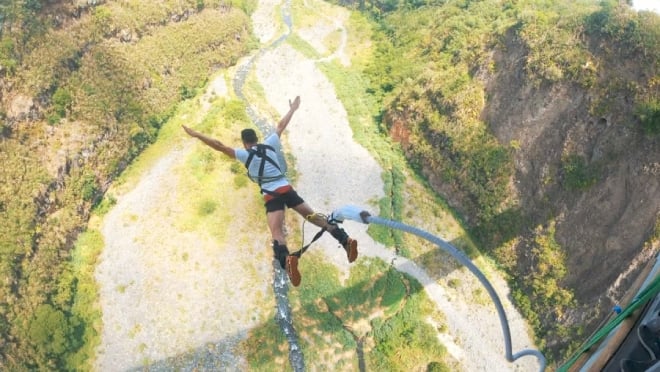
316, 237
260, 152
304, 249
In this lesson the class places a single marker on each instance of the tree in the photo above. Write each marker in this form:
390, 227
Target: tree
48, 332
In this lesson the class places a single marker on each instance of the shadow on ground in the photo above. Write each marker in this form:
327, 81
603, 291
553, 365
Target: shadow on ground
381, 311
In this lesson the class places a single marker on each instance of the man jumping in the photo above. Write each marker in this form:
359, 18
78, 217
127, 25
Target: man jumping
265, 167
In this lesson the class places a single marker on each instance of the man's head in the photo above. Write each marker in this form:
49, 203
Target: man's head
249, 137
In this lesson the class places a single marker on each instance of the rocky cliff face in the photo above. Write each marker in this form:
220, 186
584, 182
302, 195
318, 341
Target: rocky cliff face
585, 172
568, 196
603, 227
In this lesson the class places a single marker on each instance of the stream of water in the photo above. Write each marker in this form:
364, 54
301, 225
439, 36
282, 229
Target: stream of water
283, 314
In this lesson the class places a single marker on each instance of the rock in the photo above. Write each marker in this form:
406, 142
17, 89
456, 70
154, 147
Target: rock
125, 36
20, 107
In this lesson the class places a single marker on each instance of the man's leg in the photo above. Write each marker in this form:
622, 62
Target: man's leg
276, 225
306, 211
275, 220
349, 244
289, 263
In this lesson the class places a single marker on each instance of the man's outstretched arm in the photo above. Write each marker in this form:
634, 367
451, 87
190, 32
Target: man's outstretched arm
293, 106
212, 143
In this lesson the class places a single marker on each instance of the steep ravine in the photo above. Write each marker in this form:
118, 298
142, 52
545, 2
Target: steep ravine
602, 229
142, 268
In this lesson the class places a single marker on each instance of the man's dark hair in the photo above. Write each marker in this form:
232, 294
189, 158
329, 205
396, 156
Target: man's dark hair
249, 136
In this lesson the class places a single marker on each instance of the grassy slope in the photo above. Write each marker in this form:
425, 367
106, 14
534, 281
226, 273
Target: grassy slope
410, 201
101, 102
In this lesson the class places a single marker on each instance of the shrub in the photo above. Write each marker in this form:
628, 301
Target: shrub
237, 168
649, 116
51, 334
89, 188
578, 175
62, 101
106, 204
437, 367
206, 207
240, 181
102, 20
7, 59
53, 118
186, 93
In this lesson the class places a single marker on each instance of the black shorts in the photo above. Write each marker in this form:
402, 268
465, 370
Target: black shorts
290, 199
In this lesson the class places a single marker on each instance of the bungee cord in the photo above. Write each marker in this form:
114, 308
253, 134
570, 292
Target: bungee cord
360, 215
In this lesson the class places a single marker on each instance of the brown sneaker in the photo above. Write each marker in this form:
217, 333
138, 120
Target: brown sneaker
292, 270
351, 249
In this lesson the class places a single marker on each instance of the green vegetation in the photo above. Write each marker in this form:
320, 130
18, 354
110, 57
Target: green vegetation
578, 175
102, 86
7, 58
630, 33
85, 309
302, 46
540, 288
437, 104
556, 51
382, 309
62, 101
434, 107
211, 172
649, 115
106, 101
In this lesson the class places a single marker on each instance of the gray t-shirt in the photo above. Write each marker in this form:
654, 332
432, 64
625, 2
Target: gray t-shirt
270, 171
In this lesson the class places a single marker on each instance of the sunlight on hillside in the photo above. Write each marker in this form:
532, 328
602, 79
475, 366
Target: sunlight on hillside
653, 5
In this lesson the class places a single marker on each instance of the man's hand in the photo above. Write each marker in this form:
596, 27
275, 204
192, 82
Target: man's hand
295, 104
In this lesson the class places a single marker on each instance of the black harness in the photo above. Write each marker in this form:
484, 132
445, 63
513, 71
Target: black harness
260, 152
331, 220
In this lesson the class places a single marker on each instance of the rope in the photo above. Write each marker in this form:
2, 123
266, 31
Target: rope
316, 237
644, 296
357, 214
482, 278
315, 214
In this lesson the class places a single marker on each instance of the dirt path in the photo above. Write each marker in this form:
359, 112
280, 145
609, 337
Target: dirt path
320, 134
150, 265
166, 292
